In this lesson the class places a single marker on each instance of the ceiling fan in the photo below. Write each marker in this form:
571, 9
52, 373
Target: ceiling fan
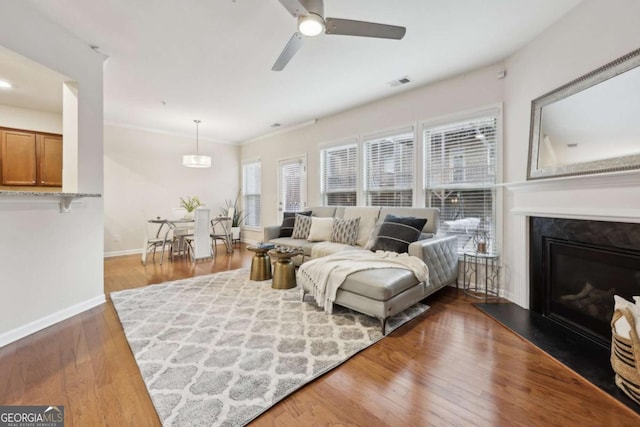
311, 22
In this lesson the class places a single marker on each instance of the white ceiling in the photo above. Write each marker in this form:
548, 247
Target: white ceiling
211, 59
33, 86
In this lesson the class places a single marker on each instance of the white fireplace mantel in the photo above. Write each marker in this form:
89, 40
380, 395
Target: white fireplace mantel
614, 197
603, 180
615, 215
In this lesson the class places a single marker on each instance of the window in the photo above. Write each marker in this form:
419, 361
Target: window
292, 190
460, 165
251, 189
389, 169
339, 169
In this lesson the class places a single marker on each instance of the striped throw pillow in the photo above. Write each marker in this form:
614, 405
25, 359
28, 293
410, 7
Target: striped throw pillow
397, 232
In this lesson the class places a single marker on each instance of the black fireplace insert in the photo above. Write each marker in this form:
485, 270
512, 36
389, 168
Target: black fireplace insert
576, 267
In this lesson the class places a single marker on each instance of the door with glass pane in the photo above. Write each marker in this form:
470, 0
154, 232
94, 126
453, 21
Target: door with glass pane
292, 185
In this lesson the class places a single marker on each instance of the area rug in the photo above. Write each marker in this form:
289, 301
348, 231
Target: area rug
219, 350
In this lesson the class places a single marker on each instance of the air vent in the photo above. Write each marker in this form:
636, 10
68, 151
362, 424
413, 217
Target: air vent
399, 82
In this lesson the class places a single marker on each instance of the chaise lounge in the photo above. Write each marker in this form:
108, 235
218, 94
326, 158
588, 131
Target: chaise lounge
381, 293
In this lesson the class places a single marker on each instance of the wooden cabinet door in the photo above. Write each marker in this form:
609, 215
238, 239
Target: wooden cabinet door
50, 160
18, 158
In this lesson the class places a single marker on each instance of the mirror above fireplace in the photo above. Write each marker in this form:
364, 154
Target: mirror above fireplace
589, 125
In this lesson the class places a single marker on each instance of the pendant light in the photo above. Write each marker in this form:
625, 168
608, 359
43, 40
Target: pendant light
196, 160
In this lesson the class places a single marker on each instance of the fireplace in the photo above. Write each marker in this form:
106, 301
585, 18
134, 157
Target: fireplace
576, 267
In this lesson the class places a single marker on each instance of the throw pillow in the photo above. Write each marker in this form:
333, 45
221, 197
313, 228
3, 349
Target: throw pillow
368, 218
320, 230
288, 221
345, 230
397, 232
302, 227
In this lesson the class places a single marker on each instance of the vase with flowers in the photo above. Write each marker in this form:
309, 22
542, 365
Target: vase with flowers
189, 205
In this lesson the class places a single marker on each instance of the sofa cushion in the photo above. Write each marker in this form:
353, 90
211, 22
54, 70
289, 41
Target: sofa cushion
321, 229
345, 230
288, 222
368, 217
380, 284
397, 232
321, 249
302, 227
324, 211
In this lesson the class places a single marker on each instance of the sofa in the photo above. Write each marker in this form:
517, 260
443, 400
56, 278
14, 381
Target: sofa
381, 293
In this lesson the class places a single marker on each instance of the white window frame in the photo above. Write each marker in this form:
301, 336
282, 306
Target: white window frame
246, 163
302, 159
391, 133
345, 144
470, 115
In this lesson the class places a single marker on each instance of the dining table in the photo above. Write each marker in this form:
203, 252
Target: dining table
183, 226
179, 226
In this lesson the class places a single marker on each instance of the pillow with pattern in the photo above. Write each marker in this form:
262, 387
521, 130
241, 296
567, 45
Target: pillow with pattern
288, 221
398, 232
345, 230
302, 227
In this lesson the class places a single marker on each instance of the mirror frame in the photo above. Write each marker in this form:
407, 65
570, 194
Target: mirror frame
606, 72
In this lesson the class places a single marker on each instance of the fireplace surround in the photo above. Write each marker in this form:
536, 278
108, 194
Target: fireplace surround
576, 266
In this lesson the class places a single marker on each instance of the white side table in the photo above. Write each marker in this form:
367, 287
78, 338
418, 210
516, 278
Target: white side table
484, 269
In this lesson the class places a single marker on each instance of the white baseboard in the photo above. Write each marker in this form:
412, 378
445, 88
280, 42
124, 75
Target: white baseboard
250, 241
44, 322
120, 253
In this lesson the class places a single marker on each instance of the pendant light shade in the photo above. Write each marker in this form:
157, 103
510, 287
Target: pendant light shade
196, 160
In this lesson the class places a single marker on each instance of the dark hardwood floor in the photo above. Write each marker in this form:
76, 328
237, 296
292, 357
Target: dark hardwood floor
451, 366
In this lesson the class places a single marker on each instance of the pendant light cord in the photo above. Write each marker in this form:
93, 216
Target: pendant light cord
197, 122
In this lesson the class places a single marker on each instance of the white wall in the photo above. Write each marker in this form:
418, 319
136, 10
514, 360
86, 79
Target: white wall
593, 34
144, 178
469, 91
22, 118
51, 264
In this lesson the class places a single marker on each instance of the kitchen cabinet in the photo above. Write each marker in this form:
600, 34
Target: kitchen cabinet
30, 158
49, 160
18, 158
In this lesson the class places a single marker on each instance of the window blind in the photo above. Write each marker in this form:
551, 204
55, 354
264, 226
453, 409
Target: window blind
251, 192
460, 163
389, 169
291, 185
339, 169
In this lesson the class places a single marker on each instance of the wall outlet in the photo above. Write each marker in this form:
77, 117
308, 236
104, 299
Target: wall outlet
116, 238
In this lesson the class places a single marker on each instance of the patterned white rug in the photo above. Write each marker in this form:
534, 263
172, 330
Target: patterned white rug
219, 350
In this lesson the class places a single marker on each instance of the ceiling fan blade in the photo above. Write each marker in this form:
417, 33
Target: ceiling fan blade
347, 27
294, 7
294, 44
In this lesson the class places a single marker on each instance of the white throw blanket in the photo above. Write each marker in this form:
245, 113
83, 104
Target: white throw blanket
323, 277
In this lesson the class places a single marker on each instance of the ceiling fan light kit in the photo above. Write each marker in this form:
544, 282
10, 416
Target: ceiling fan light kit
196, 160
311, 22
310, 25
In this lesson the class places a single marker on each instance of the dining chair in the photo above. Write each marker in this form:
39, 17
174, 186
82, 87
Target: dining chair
199, 243
163, 238
221, 230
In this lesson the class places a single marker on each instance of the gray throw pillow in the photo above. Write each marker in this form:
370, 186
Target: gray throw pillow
345, 230
288, 222
302, 227
397, 232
